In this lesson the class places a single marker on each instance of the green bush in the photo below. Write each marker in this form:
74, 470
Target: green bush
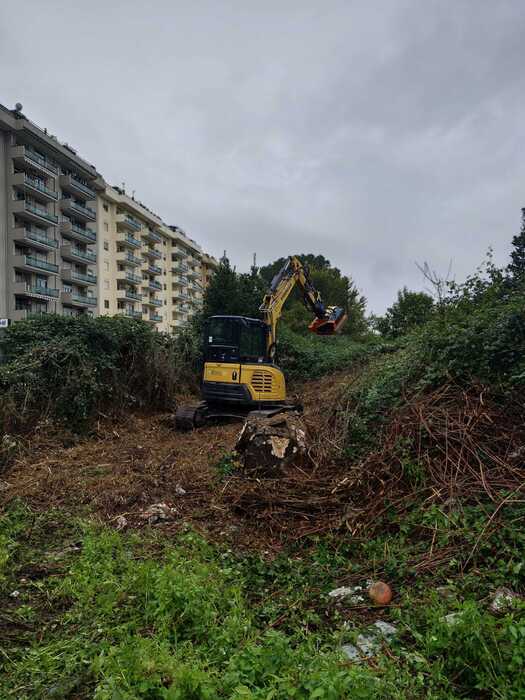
70, 368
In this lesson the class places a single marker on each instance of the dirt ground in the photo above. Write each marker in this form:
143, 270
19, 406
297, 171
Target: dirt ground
126, 467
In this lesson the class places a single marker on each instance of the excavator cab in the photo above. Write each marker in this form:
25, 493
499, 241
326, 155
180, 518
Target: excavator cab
235, 339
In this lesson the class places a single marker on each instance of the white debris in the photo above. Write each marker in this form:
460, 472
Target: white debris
121, 522
503, 599
452, 618
179, 490
350, 594
369, 644
157, 513
15, 594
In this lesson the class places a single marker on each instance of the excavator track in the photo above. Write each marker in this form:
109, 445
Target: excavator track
189, 417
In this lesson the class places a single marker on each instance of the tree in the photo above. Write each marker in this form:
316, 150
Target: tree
410, 310
221, 295
516, 268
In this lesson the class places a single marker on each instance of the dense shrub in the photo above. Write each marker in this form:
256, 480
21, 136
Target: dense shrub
69, 368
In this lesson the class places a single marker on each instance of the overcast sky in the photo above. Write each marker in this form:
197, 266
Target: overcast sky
376, 133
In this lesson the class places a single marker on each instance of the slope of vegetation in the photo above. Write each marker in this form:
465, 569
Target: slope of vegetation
417, 478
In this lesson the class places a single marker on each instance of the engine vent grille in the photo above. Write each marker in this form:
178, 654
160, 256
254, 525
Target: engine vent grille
262, 382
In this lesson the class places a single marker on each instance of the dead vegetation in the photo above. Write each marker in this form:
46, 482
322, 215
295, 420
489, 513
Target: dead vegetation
447, 446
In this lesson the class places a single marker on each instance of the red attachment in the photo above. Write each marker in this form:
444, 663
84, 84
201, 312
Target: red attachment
330, 325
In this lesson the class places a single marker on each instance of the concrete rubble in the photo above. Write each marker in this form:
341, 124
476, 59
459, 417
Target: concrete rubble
158, 513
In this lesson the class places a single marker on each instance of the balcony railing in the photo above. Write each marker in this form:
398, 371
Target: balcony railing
155, 317
131, 295
131, 313
156, 302
153, 285
133, 259
135, 279
84, 299
41, 212
86, 233
84, 277
132, 241
83, 254
154, 270
40, 238
40, 289
153, 235
44, 162
82, 187
80, 208
37, 185
40, 264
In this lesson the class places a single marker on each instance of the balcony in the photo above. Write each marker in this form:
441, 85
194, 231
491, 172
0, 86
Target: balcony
69, 252
149, 234
156, 318
80, 278
21, 314
33, 186
79, 233
128, 240
124, 275
157, 302
69, 183
130, 313
79, 211
24, 289
179, 294
25, 157
192, 274
34, 238
128, 294
151, 284
180, 267
152, 253
30, 263
154, 270
178, 253
81, 300
127, 223
32, 212
127, 258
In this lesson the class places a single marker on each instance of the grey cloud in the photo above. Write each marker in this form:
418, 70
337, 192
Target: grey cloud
378, 134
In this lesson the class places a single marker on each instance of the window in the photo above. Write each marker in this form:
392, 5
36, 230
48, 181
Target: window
106, 284
106, 226
106, 208
106, 265
106, 245
165, 286
106, 303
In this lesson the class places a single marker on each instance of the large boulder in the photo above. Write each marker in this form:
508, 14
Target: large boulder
268, 444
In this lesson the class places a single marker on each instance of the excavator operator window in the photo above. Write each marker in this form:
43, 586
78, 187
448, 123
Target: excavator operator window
252, 347
234, 339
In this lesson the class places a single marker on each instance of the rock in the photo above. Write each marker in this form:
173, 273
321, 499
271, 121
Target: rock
179, 490
503, 600
266, 445
350, 594
157, 513
369, 644
380, 593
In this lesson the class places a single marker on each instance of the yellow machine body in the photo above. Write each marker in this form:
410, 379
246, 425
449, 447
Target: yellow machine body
257, 383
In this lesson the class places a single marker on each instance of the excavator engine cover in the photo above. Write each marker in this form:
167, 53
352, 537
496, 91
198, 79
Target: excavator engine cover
330, 325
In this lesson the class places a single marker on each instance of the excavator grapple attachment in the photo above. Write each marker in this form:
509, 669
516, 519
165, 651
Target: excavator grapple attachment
331, 324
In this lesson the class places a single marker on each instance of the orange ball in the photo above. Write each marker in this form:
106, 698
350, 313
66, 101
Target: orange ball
380, 593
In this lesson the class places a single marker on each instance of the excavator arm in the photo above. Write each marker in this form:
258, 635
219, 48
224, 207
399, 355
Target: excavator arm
327, 319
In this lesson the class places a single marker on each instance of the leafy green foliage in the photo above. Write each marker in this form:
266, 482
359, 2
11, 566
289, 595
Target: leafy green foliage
231, 293
411, 309
146, 617
69, 368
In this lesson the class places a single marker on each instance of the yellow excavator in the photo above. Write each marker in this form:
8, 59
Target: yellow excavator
240, 375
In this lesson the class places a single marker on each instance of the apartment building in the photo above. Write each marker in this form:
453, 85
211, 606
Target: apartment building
47, 223
71, 244
147, 270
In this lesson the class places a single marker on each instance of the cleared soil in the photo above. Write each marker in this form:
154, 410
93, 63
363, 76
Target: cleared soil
127, 466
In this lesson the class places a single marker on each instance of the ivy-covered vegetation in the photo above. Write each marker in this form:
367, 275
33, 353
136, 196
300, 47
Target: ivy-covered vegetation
71, 368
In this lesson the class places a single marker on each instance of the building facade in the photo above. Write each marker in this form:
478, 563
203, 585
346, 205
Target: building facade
147, 270
71, 244
48, 225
